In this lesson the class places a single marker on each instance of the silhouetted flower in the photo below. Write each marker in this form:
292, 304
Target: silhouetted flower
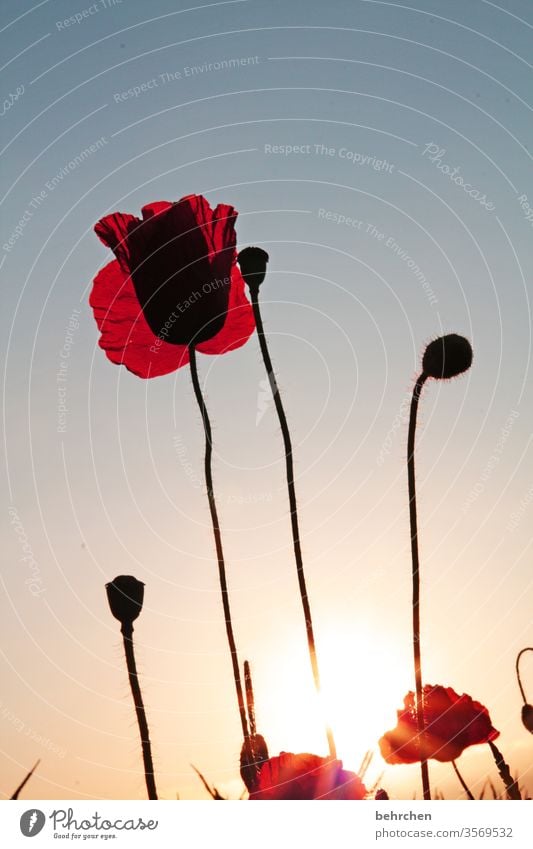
452, 723
527, 717
253, 262
527, 709
443, 358
381, 795
254, 753
447, 357
125, 596
306, 776
175, 283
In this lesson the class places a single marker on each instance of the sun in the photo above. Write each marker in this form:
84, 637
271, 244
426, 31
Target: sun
361, 690
364, 677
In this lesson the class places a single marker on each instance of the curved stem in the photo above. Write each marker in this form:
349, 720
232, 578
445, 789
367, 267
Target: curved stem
519, 655
218, 540
416, 576
512, 788
463, 783
254, 292
127, 633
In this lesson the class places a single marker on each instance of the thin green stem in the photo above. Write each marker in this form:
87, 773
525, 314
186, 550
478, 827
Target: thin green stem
519, 655
463, 783
127, 634
218, 541
254, 292
416, 578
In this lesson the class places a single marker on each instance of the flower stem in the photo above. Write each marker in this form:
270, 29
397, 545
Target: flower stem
512, 788
416, 577
218, 541
127, 634
25, 781
519, 655
463, 783
254, 292
250, 701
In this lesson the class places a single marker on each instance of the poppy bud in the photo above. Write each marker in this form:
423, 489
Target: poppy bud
253, 264
527, 717
125, 596
447, 357
253, 755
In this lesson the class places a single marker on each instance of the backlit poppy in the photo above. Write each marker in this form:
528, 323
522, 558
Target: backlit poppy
174, 289
174, 283
452, 723
306, 776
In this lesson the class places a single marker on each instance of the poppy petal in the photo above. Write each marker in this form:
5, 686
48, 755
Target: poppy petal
176, 283
125, 335
222, 229
452, 723
113, 230
181, 285
239, 324
306, 776
218, 225
155, 208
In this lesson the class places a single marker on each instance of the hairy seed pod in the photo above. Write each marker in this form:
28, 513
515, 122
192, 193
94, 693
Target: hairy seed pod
125, 596
527, 717
253, 265
447, 357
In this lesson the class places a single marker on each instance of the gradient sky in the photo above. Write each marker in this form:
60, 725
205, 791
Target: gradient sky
120, 489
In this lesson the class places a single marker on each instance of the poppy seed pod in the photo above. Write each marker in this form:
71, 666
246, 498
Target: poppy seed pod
253, 754
447, 357
253, 264
125, 596
527, 717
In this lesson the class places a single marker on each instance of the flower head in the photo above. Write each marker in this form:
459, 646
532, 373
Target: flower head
174, 283
253, 264
125, 596
447, 357
304, 776
527, 717
452, 723
254, 753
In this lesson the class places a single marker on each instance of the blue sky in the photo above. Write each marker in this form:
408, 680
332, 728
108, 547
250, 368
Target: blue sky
293, 137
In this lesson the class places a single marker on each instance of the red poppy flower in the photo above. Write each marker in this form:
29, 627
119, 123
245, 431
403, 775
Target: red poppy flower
174, 283
452, 724
306, 776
